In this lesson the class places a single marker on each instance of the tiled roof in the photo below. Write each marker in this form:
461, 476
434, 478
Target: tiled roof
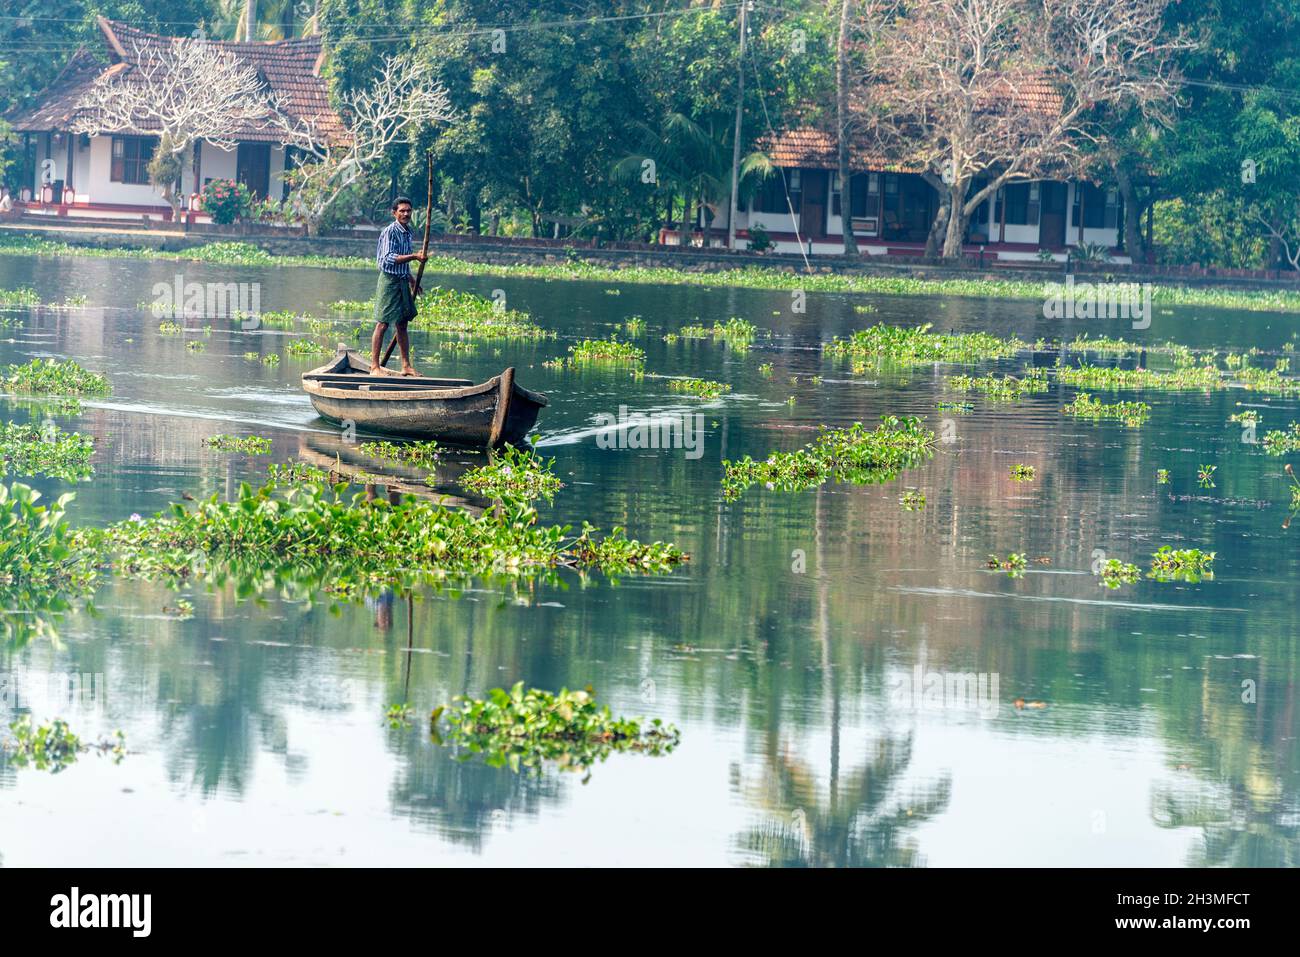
289, 67
816, 149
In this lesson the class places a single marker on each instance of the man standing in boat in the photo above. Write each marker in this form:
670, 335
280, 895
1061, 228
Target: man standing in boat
396, 290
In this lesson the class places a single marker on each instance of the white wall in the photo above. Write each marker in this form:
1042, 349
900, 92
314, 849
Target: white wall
97, 187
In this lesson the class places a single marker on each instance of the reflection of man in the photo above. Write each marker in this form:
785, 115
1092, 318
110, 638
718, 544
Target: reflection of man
395, 292
383, 606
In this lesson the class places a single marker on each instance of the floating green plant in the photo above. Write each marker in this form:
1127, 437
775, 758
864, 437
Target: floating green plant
51, 377
961, 408
703, 388
1001, 387
1023, 473
279, 318
19, 297
1281, 441
1111, 377
1162, 476
306, 348
1114, 573
399, 716
449, 310
633, 326
843, 455
48, 450
527, 729
1205, 475
1189, 565
42, 565
297, 472
605, 351
1295, 492
1084, 406
417, 453
307, 536
1014, 564
52, 746
516, 474
735, 332
883, 345
913, 500
195, 345
352, 305
247, 444
1246, 417
765, 370
170, 328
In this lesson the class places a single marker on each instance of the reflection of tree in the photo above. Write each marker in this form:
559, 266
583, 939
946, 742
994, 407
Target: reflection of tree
1242, 828
862, 822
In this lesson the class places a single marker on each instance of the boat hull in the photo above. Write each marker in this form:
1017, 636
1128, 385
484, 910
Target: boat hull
490, 413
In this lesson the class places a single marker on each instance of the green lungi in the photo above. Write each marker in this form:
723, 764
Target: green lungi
393, 299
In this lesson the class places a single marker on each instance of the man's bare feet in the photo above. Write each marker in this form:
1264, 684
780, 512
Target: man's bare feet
409, 371
379, 370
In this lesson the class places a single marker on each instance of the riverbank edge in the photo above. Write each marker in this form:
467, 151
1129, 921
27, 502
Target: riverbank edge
668, 266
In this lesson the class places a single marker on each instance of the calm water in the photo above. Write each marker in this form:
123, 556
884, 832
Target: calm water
256, 729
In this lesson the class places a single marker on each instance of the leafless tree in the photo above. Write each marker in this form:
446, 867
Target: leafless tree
183, 91
403, 95
1006, 90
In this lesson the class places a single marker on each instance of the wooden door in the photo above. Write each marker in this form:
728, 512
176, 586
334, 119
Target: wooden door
812, 214
253, 167
1051, 228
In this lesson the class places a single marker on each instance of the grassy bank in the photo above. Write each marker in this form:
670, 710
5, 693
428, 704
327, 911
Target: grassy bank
750, 277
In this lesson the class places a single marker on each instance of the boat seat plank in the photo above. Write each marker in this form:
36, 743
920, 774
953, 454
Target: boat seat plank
343, 378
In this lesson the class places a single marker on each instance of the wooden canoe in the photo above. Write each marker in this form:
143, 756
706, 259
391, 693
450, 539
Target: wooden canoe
419, 407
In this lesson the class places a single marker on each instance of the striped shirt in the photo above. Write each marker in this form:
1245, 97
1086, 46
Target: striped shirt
394, 241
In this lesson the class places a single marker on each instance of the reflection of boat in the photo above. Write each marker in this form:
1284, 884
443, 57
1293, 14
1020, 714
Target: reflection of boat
345, 462
450, 410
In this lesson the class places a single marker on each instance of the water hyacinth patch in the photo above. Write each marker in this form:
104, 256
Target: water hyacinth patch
1001, 387
1114, 573
1188, 564
1014, 564
28, 450
309, 536
42, 564
307, 348
1280, 441
883, 345
516, 474
248, 444
1023, 473
417, 453
528, 729
912, 500
703, 388
52, 746
51, 377
1111, 377
843, 455
19, 297
1205, 475
735, 332
605, 351
449, 310
1084, 406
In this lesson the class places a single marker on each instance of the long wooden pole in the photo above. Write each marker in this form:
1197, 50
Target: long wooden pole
419, 273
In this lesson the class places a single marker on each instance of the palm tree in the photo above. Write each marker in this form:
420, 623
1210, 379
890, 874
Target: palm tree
692, 161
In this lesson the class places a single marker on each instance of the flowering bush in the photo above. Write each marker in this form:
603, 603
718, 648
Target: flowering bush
226, 200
